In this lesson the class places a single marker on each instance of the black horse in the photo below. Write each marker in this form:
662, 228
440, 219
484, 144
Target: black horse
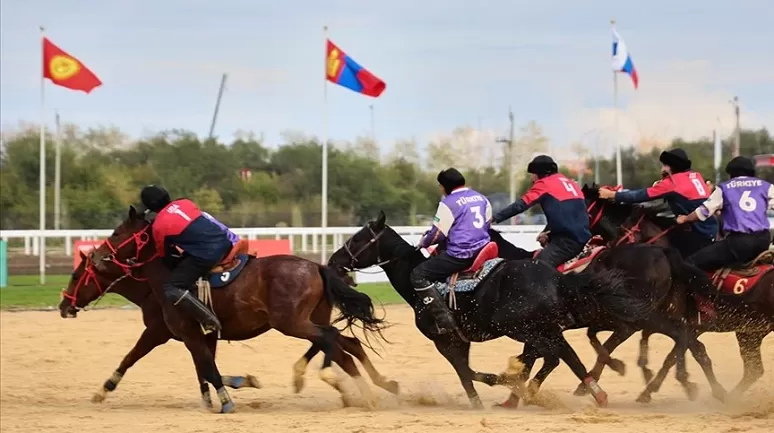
661, 276
621, 223
525, 300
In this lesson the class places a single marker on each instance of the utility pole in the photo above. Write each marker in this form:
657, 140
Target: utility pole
737, 131
510, 158
217, 105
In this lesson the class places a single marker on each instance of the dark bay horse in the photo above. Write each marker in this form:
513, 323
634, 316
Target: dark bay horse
525, 300
748, 311
290, 294
660, 275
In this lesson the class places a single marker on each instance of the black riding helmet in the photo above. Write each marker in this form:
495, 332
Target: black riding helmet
740, 166
676, 159
154, 197
451, 179
542, 166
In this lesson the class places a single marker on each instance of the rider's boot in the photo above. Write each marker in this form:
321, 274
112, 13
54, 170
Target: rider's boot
196, 310
430, 300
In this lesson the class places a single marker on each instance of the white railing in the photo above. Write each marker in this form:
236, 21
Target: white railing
302, 239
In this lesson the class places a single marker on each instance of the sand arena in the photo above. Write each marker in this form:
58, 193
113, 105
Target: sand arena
50, 367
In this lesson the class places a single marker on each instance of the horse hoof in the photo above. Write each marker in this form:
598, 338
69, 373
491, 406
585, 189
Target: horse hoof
644, 398
392, 387
618, 366
229, 407
234, 382
721, 395
511, 403
476, 403
329, 376
252, 382
298, 384
691, 390
99, 396
207, 401
601, 399
581, 390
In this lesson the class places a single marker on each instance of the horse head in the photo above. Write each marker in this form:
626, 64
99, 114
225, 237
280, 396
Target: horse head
128, 247
362, 249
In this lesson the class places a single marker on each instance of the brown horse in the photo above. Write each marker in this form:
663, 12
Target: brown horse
748, 311
287, 293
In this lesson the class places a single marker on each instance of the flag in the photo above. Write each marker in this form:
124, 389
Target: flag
65, 70
345, 72
622, 61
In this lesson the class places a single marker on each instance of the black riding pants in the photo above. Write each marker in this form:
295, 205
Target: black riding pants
559, 250
438, 268
687, 241
184, 276
736, 249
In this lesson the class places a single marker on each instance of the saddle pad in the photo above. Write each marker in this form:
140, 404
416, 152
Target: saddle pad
221, 279
741, 281
469, 284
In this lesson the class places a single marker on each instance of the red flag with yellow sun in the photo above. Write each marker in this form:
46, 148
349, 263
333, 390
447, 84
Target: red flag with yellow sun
65, 70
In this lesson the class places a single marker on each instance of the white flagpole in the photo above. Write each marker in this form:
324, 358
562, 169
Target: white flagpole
42, 193
718, 153
57, 174
618, 169
324, 204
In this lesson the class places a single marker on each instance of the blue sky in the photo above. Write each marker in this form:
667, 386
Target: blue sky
447, 63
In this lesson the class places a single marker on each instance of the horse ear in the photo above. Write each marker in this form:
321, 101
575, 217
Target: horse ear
380, 220
82, 254
132, 213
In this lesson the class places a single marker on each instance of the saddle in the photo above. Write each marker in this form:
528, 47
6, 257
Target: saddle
489, 252
738, 279
232, 260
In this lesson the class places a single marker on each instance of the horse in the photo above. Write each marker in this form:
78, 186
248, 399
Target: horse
293, 295
525, 300
657, 273
743, 299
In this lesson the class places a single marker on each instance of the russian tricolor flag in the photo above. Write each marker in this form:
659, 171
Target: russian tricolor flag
622, 61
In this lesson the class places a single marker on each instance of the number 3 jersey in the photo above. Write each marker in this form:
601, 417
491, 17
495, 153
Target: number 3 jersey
463, 219
744, 202
181, 223
683, 192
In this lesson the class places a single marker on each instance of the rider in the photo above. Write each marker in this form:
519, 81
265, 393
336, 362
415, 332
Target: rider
567, 229
180, 223
743, 200
684, 190
462, 219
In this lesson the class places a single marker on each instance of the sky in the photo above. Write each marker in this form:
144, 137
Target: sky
447, 63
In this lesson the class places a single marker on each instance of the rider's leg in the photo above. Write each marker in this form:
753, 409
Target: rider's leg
176, 287
747, 246
437, 268
712, 257
559, 250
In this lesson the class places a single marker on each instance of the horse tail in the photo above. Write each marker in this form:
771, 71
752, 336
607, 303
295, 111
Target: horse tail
353, 306
611, 290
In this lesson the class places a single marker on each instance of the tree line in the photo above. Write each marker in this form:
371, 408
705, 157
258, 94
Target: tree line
247, 183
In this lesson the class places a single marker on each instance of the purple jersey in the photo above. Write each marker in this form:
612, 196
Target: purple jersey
231, 235
463, 219
744, 202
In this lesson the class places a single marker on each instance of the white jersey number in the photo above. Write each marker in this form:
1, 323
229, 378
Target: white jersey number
570, 187
747, 203
478, 221
699, 187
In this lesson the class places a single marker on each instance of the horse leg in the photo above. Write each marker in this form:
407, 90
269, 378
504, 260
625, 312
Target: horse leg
204, 360
642, 360
150, 338
549, 365
750, 349
299, 368
678, 333
233, 382
457, 352
353, 346
615, 340
559, 346
517, 373
699, 352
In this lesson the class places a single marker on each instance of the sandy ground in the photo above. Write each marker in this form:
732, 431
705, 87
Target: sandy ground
50, 367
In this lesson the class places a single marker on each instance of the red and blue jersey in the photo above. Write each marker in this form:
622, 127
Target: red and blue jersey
683, 192
563, 205
181, 224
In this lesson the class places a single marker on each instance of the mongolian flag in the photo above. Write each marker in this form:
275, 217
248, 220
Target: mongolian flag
65, 70
344, 71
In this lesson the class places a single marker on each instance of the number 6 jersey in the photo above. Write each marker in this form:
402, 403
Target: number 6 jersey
744, 202
463, 219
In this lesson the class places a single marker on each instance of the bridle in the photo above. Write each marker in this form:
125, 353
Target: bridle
353, 256
140, 239
630, 233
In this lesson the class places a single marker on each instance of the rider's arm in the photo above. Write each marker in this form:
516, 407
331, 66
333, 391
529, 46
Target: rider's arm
707, 209
529, 199
656, 191
442, 222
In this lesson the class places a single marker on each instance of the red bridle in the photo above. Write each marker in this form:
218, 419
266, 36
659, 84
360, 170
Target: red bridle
629, 233
140, 239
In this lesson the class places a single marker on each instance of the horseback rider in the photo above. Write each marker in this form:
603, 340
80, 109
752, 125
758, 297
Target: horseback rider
462, 220
743, 201
567, 229
683, 190
180, 224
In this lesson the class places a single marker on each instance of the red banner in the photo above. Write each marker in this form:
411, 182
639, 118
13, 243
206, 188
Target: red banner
85, 247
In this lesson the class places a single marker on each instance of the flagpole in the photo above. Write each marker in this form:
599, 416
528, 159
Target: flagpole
618, 168
57, 174
324, 204
42, 193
